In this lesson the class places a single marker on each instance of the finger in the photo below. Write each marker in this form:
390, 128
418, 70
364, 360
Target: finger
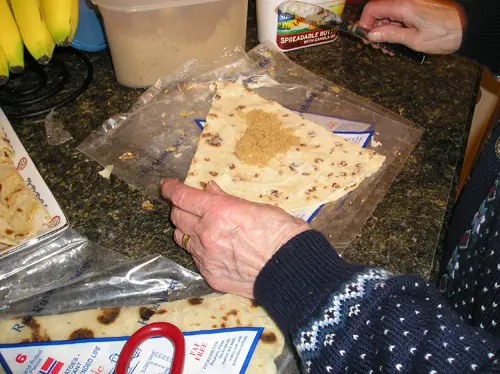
381, 22
394, 10
184, 221
215, 189
392, 34
187, 198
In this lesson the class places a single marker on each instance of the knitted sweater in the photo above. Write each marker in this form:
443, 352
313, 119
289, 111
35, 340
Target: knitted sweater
352, 318
343, 317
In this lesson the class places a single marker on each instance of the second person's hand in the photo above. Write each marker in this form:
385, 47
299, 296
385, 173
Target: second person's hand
429, 26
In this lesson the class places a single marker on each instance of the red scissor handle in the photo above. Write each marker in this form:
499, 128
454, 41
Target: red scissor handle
153, 330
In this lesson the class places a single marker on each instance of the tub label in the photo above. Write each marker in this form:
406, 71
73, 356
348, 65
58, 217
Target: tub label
295, 32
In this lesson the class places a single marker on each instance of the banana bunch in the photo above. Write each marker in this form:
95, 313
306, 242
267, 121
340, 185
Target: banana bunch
37, 24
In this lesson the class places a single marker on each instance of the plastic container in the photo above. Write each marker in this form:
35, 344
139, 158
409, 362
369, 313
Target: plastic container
89, 35
290, 33
151, 38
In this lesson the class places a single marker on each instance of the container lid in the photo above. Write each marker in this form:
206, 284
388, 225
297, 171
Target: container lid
145, 5
89, 34
88, 47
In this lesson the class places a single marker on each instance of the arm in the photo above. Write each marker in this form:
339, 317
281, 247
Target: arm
365, 318
481, 39
340, 315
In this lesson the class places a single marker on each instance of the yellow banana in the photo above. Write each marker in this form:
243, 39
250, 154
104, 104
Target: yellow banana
34, 32
10, 39
57, 16
74, 19
4, 68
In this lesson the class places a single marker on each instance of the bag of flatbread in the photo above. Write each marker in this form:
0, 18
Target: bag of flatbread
22, 215
210, 312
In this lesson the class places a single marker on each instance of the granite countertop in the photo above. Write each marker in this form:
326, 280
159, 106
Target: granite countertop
403, 233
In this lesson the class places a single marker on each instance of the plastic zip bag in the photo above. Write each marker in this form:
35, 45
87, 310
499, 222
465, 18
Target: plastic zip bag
69, 273
159, 136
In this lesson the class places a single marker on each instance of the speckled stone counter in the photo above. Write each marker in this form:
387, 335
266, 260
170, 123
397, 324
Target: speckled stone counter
403, 233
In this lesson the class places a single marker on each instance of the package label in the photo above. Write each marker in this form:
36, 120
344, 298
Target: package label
207, 352
354, 131
295, 32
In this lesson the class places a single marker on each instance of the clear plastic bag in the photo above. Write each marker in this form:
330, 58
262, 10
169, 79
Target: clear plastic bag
54, 129
68, 273
159, 136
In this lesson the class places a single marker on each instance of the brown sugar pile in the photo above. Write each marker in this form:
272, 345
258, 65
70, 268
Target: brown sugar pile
264, 138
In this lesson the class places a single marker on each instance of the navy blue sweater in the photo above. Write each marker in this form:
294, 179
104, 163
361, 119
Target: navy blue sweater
344, 317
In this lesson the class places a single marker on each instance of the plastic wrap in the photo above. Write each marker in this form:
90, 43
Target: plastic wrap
159, 136
54, 128
68, 273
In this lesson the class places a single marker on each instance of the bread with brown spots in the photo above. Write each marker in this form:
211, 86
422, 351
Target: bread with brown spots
210, 312
260, 151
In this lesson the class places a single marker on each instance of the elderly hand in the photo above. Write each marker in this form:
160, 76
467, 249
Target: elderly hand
231, 239
429, 26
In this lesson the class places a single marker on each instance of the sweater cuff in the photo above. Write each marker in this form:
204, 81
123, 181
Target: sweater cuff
481, 38
297, 279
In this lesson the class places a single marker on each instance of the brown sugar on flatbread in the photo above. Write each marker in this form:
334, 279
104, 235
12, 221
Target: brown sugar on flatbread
264, 138
262, 152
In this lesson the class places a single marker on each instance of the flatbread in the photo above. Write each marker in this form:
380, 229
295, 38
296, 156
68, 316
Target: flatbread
21, 213
6, 150
198, 313
288, 161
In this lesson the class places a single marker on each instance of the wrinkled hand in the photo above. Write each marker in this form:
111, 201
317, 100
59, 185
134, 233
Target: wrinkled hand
231, 239
429, 26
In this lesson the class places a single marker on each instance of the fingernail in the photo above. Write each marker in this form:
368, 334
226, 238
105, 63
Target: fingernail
375, 36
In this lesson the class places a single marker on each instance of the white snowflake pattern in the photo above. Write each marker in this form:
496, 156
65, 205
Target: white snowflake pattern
329, 339
354, 310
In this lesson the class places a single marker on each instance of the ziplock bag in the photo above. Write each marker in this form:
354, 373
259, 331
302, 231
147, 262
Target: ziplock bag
158, 137
69, 273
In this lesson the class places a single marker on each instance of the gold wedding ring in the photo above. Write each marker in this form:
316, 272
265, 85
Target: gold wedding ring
185, 241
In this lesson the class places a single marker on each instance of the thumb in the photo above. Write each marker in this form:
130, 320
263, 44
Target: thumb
215, 189
392, 34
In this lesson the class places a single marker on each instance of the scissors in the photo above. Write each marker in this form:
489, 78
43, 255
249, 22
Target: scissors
153, 330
